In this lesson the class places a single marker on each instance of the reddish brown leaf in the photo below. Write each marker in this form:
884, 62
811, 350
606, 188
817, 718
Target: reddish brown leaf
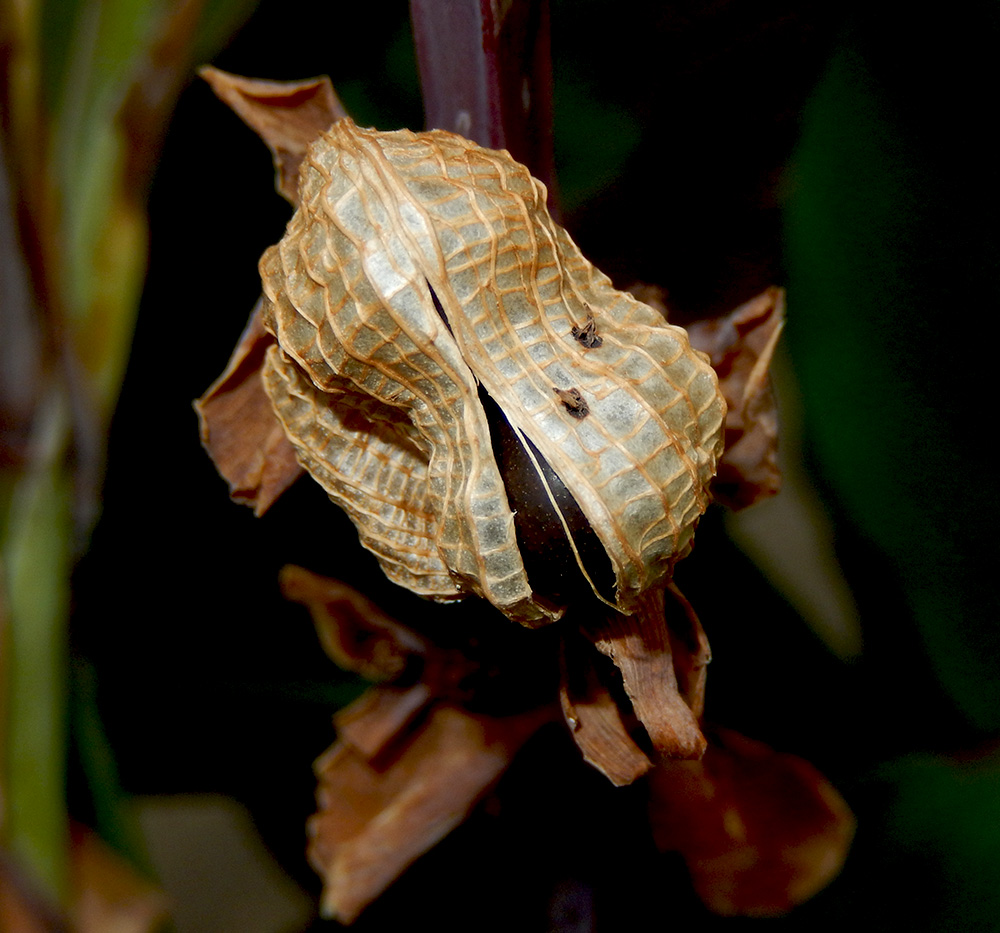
377, 817
740, 346
287, 115
760, 831
639, 646
594, 718
240, 430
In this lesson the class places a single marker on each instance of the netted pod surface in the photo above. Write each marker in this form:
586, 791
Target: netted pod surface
420, 266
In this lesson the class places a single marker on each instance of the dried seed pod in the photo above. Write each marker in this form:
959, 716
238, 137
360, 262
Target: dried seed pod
421, 269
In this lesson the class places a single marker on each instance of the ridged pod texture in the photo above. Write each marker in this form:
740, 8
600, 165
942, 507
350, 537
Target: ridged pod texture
378, 391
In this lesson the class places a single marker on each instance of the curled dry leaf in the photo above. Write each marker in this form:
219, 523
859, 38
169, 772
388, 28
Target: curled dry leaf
354, 632
639, 646
760, 831
599, 726
379, 813
661, 655
238, 426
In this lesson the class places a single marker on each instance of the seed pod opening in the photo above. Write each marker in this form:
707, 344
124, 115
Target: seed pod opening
420, 268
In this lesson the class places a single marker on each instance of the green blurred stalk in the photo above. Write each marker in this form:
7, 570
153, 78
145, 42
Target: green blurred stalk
35, 561
81, 145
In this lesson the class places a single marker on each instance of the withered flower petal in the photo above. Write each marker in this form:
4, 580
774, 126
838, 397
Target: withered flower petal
596, 721
381, 809
639, 646
760, 831
409, 762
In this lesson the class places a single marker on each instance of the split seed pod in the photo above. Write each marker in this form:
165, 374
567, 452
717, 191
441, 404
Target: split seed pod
421, 283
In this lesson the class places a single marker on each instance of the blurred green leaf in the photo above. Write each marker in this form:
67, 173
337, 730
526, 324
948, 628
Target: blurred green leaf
887, 288
940, 838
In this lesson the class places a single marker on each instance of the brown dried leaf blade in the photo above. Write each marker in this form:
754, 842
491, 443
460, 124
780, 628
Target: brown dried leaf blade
240, 430
760, 831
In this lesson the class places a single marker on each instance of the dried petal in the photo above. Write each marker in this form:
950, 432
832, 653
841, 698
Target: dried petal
379, 813
354, 632
419, 267
690, 649
741, 346
594, 718
239, 429
760, 831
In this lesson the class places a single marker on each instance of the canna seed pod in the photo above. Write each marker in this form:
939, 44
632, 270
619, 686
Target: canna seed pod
430, 315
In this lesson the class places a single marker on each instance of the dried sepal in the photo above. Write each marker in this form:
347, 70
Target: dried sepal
596, 721
287, 115
240, 430
379, 812
649, 697
741, 346
760, 831
409, 763
419, 268
639, 646
689, 647
356, 635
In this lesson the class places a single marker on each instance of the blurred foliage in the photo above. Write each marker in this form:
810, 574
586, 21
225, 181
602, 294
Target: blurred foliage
86, 89
893, 265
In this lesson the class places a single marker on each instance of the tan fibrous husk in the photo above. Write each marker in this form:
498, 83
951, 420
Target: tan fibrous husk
378, 390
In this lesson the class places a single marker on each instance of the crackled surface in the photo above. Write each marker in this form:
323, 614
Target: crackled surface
376, 386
